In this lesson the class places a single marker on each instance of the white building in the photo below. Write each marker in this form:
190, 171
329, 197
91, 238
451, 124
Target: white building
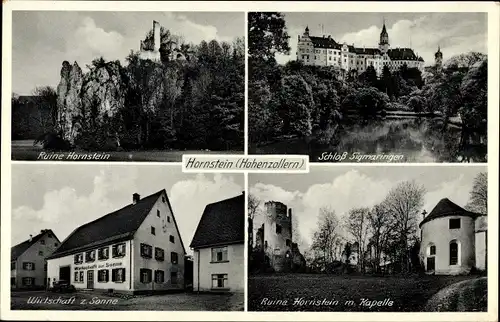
325, 51
135, 249
218, 245
28, 267
454, 240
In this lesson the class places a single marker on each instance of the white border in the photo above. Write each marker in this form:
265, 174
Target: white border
493, 67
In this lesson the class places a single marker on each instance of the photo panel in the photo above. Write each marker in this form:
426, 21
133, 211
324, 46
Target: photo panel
369, 239
126, 238
369, 86
126, 86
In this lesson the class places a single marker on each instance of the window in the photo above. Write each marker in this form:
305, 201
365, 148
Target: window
173, 278
172, 239
103, 253
168, 218
42, 242
28, 266
159, 254
432, 250
153, 231
174, 258
81, 276
90, 256
159, 276
12, 265
76, 279
40, 253
278, 229
453, 253
158, 213
455, 223
146, 251
145, 275
118, 250
219, 254
103, 275
28, 281
118, 275
219, 280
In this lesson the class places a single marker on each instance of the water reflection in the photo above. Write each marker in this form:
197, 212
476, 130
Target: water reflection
416, 140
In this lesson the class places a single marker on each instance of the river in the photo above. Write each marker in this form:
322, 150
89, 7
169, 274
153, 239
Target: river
422, 140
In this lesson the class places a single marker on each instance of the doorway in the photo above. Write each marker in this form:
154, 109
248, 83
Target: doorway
90, 279
431, 264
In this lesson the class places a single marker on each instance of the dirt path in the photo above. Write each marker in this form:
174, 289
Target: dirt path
465, 296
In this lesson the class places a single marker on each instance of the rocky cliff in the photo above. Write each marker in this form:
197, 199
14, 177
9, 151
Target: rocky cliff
87, 100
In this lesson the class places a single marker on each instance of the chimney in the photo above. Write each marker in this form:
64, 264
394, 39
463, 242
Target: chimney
31, 238
135, 198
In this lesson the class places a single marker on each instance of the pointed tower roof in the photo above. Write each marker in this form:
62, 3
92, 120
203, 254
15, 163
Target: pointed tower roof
438, 53
384, 30
446, 207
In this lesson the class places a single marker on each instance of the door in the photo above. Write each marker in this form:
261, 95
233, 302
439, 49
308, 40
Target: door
90, 279
431, 264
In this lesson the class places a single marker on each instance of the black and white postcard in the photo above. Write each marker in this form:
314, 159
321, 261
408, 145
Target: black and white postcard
126, 86
375, 239
368, 87
126, 238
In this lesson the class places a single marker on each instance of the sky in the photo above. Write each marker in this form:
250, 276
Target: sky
345, 187
63, 197
42, 40
456, 33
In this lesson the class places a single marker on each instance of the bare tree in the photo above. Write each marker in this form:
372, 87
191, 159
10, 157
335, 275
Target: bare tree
253, 206
326, 234
357, 225
478, 200
380, 227
404, 204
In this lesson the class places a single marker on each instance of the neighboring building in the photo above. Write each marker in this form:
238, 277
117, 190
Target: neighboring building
135, 249
325, 51
28, 260
153, 48
453, 240
218, 245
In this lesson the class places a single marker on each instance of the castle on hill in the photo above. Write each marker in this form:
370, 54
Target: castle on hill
153, 48
325, 51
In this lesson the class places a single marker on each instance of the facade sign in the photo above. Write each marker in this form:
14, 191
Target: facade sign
98, 266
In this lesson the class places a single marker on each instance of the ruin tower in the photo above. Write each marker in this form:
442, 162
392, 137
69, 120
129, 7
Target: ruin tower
278, 235
156, 35
383, 44
438, 58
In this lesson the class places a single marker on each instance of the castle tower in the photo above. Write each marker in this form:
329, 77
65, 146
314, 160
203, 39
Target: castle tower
383, 44
306, 32
278, 235
156, 35
438, 57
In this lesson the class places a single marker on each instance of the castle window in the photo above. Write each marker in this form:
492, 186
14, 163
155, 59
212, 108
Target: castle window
172, 239
278, 229
153, 231
453, 253
432, 250
157, 213
454, 223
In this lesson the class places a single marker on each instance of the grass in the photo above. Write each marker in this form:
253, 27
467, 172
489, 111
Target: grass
99, 302
408, 294
24, 150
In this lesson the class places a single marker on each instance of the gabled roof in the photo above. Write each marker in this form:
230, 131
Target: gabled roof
114, 227
324, 42
222, 223
446, 207
402, 54
19, 249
